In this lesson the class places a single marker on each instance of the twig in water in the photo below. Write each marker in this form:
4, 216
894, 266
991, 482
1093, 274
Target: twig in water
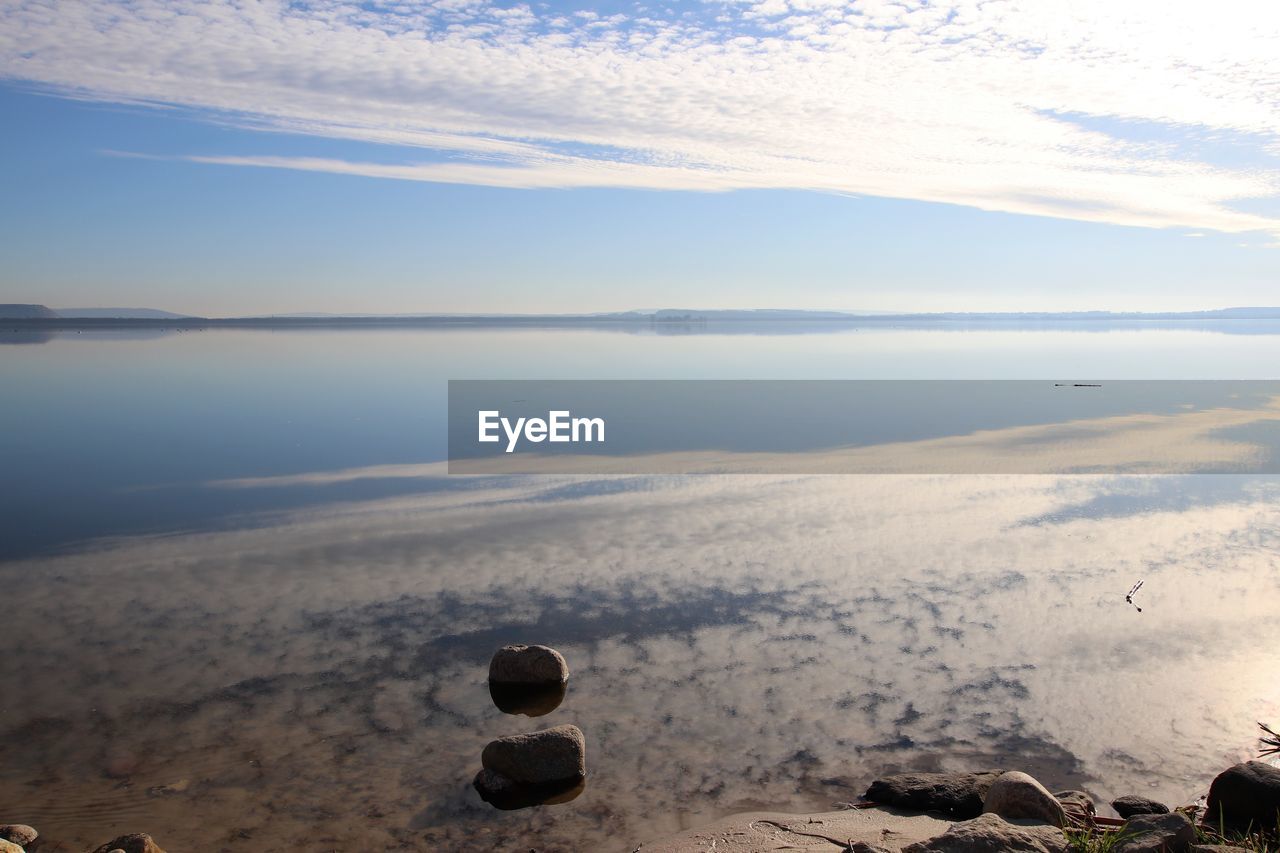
1271, 739
1128, 599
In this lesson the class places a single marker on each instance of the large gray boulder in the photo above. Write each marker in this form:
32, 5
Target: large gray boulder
521, 664
991, 833
1245, 795
551, 755
1132, 804
1016, 795
1157, 833
958, 795
18, 833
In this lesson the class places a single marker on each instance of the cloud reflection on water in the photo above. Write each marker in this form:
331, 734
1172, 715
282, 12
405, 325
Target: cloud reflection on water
1240, 438
734, 642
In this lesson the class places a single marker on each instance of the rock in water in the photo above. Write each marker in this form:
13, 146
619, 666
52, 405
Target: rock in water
957, 794
9, 847
1132, 804
18, 833
551, 755
1157, 833
1017, 795
1247, 794
120, 764
522, 664
139, 842
991, 833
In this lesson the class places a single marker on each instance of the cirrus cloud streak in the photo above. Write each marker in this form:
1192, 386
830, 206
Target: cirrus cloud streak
992, 105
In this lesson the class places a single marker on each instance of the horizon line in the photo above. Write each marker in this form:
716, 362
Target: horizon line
148, 315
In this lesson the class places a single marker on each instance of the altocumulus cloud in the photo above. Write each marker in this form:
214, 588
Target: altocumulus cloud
995, 105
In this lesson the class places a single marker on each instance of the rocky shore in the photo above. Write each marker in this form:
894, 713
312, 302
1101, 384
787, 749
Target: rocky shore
956, 812
20, 838
994, 810
987, 811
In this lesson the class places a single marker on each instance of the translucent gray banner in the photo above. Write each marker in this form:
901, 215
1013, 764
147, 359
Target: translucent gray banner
863, 427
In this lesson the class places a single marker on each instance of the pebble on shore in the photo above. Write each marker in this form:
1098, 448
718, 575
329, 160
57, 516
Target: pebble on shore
1245, 795
138, 842
1131, 804
1018, 795
18, 833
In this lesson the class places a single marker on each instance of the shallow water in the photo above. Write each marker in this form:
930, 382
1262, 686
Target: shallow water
265, 656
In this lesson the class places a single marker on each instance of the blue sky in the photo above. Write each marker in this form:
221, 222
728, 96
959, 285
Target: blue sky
463, 155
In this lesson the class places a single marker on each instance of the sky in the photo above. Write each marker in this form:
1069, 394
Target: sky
229, 158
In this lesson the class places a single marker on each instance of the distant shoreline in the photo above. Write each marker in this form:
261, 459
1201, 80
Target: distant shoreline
631, 321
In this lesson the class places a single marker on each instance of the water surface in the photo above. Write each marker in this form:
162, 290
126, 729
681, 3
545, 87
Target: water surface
247, 609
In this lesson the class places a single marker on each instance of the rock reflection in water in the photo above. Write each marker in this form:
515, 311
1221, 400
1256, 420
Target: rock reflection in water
531, 700
514, 797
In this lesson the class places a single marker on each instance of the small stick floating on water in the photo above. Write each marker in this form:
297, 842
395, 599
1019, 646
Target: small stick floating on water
1128, 599
1272, 743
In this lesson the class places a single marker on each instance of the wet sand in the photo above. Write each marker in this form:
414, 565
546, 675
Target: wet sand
890, 829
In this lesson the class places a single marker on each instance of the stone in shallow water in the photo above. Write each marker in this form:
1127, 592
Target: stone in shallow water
532, 700
1157, 833
957, 794
1245, 795
1017, 795
138, 842
120, 764
9, 847
551, 755
521, 664
991, 833
1132, 804
18, 833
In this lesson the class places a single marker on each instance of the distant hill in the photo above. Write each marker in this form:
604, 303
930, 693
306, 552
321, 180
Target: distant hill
1214, 314
120, 313
664, 314
15, 311
657, 318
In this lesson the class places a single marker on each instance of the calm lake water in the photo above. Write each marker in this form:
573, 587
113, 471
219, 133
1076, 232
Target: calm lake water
246, 608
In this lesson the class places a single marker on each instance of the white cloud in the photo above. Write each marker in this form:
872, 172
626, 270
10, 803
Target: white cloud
962, 103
